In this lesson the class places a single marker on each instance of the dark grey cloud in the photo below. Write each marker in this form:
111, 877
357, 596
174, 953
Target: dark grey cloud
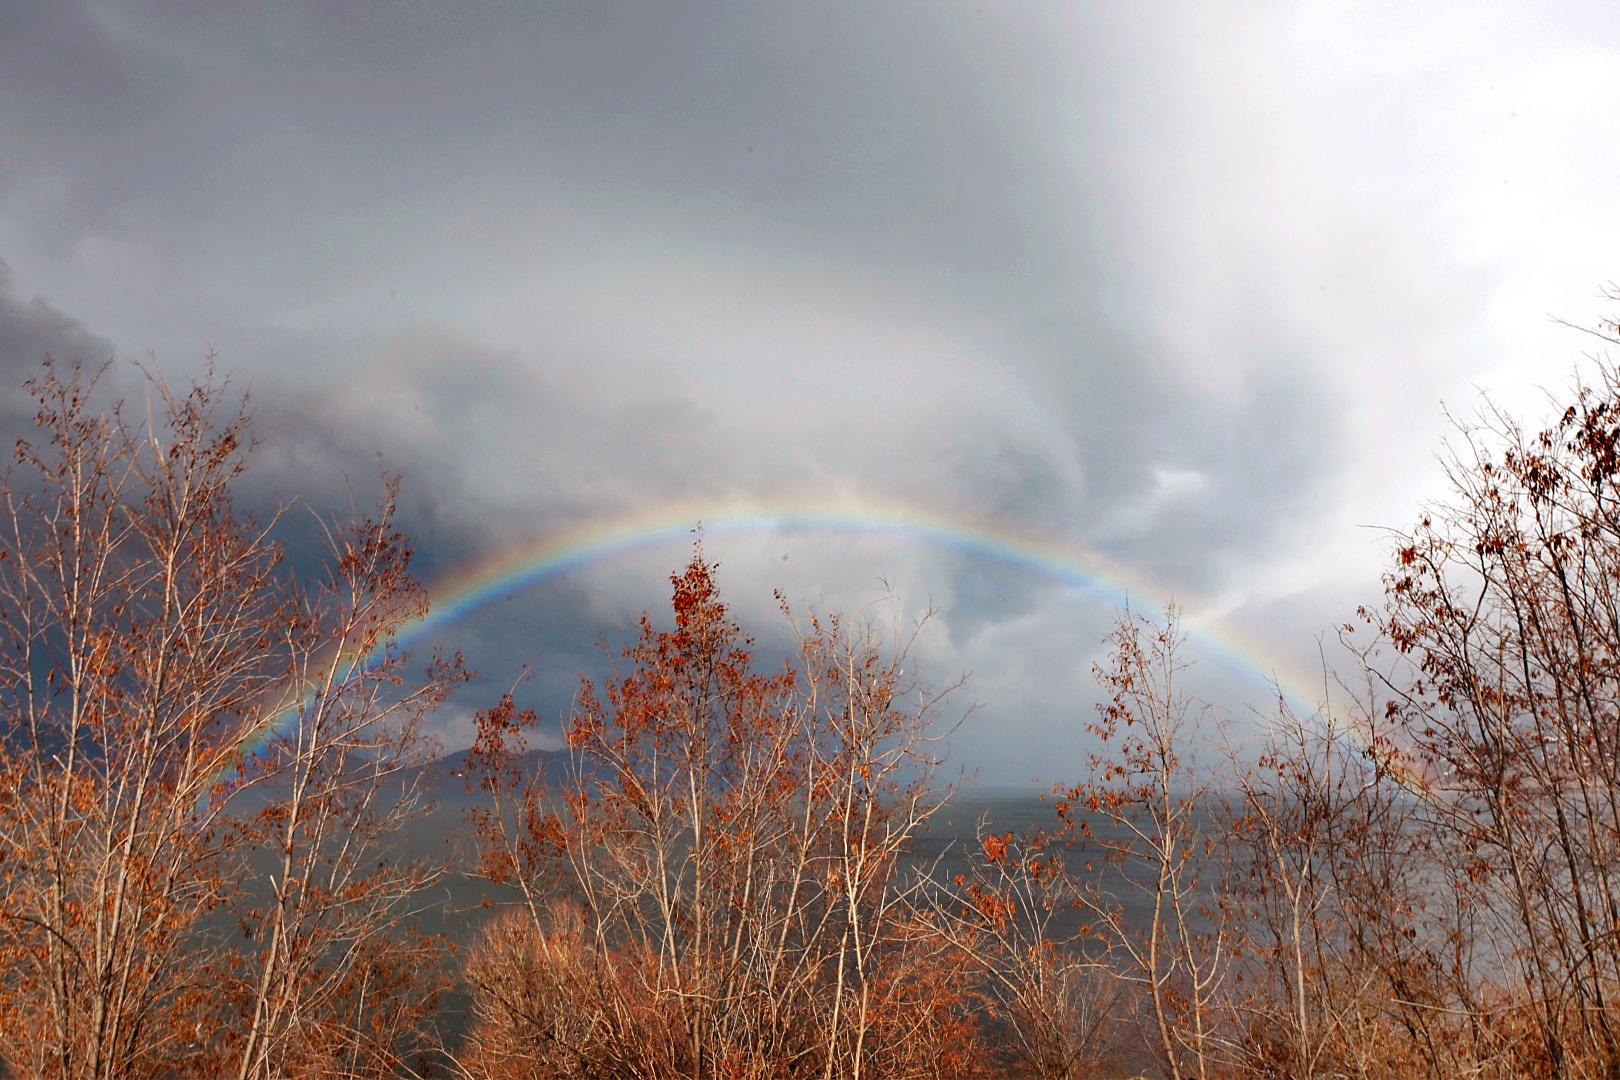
30, 332
1179, 286
798, 121
792, 108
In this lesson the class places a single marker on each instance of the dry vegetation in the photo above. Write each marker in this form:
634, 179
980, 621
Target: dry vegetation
170, 901
204, 760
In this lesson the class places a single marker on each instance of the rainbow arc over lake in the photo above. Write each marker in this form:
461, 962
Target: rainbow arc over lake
552, 553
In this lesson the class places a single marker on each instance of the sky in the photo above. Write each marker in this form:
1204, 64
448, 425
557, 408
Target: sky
1018, 311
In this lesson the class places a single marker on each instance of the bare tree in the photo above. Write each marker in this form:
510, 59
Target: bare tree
1047, 986
736, 841
148, 632
1349, 965
338, 787
135, 604
1504, 598
1153, 812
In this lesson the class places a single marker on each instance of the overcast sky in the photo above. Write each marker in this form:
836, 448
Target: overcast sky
1181, 285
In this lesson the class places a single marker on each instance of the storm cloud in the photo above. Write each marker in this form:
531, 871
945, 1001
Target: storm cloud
1180, 288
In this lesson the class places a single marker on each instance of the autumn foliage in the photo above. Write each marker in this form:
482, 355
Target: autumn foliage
1419, 878
207, 762
720, 888
196, 761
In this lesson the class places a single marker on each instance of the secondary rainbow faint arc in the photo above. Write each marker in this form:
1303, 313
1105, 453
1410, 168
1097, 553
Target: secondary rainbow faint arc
560, 551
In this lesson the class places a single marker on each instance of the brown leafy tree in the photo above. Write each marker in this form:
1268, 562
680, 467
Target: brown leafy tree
1047, 990
338, 985
1146, 810
735, 844
147, 632
1505, 600
1356, 938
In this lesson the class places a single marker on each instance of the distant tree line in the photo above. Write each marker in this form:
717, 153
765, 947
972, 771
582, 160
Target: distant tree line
206, 762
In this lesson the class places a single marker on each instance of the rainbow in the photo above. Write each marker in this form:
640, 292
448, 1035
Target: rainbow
560, 551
